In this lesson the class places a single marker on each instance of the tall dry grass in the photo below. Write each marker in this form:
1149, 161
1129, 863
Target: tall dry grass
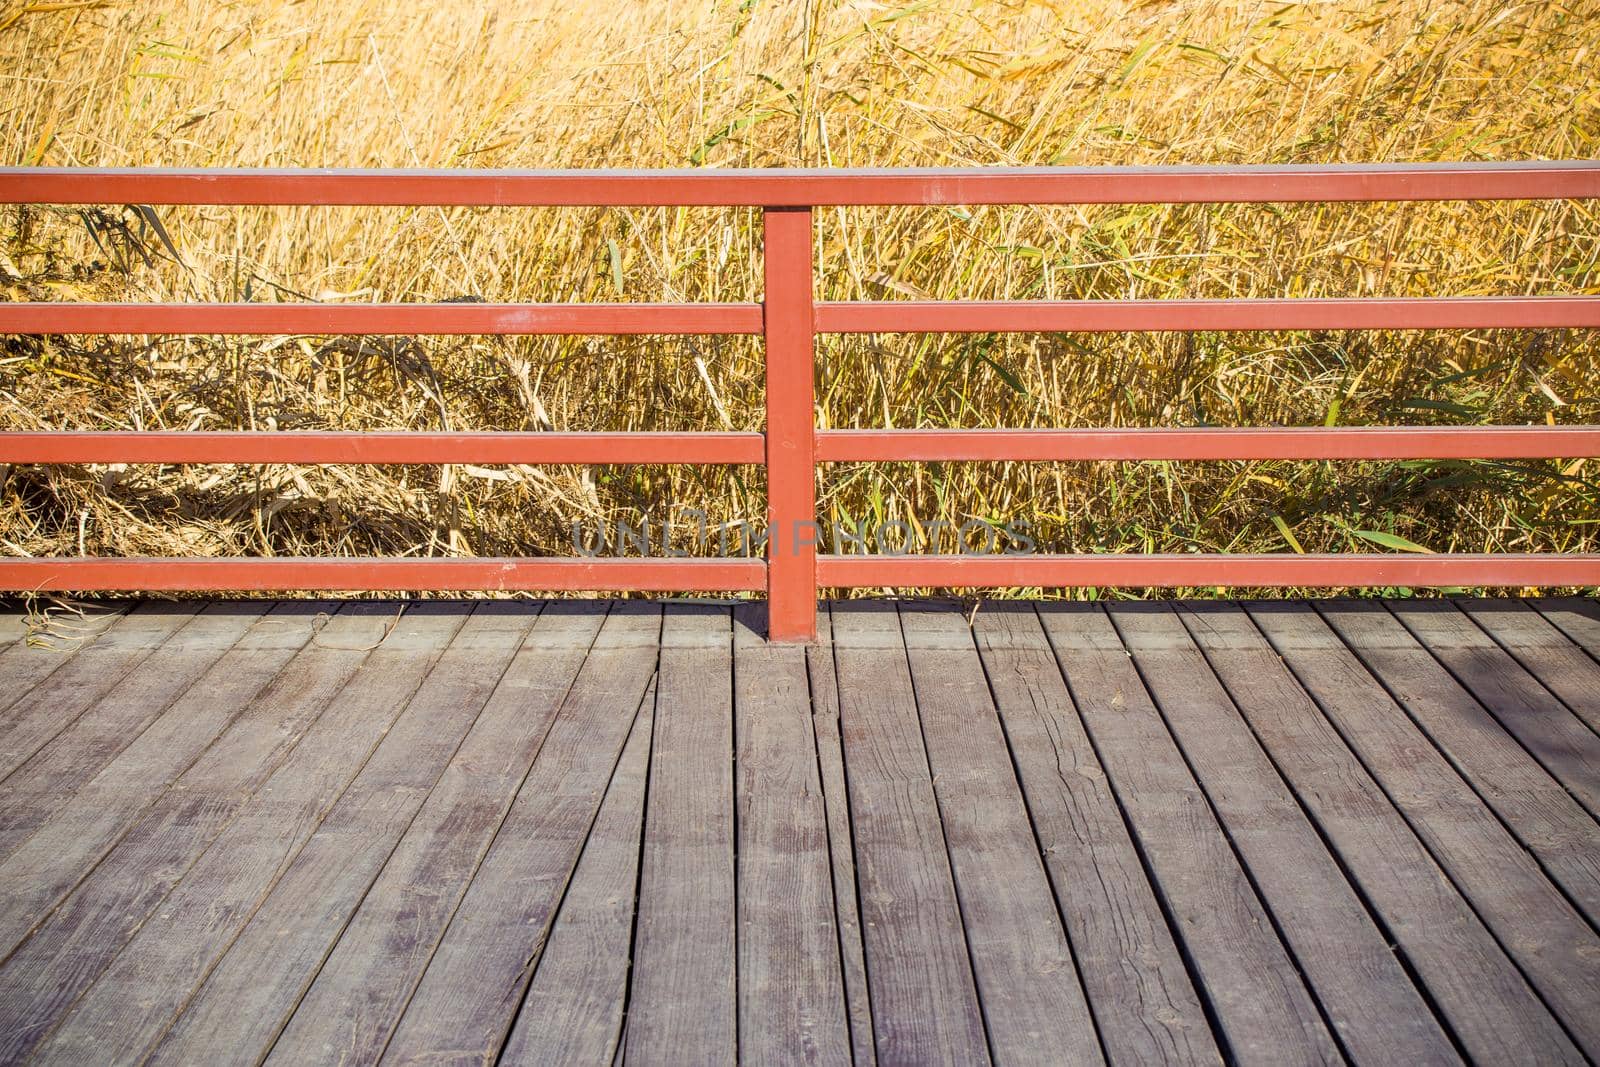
480, 83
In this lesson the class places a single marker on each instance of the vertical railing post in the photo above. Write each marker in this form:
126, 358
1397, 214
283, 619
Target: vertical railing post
788, 331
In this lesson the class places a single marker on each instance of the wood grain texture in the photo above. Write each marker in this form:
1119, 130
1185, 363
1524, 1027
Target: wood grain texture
1138, 987
65, 954
824, 681
790, 981
1533, 922
504, 831
88, 683
683, 994
362, 988
575, 1004
1536, 807
1577, 617
234, 963
1256, 994
1542, 650
1564, 746
469, 996
1477, 990
81, 828
924, 1002
1033, 1002
1375, 1010
13, 623
25, 663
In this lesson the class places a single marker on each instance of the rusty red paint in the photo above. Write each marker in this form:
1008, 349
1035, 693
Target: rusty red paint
359, 319
1084, 316
378, 447
1149, 316
1194, 571
809, 188
791, 434
275, 575
1287, 443
836, 446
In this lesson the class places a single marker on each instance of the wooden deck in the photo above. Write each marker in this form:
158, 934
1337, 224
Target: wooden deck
592, 832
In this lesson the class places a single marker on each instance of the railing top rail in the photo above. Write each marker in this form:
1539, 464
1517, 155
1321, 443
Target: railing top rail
1272, 183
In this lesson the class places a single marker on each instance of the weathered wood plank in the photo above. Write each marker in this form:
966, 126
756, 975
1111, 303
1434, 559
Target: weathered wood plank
1375, 1010
1487, 1004
228, 951
1138, 987
212, 915
1257, 997
59, 960
1557, 738
25, 664
682, 1003
573, 1010
1543, 651
924, 1002
362, 988
470, 992
790, 982
1577, 617
1539, 811
841, 838
1533, 923
78, 683
1028, 987
13, 623
66, 846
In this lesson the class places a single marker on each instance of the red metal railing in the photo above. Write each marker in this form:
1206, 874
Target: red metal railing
788, 320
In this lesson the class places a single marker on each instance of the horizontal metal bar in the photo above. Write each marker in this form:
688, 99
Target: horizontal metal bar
1086, 316
800, 188
1285, 443
465, 318
319, 446
543, 574
1188, 571
376, 574
837, 446
1148, 316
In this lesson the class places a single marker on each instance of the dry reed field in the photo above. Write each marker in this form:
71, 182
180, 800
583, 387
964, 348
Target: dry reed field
720, 83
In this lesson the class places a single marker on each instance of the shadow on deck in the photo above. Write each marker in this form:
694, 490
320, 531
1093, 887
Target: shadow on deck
585, 832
